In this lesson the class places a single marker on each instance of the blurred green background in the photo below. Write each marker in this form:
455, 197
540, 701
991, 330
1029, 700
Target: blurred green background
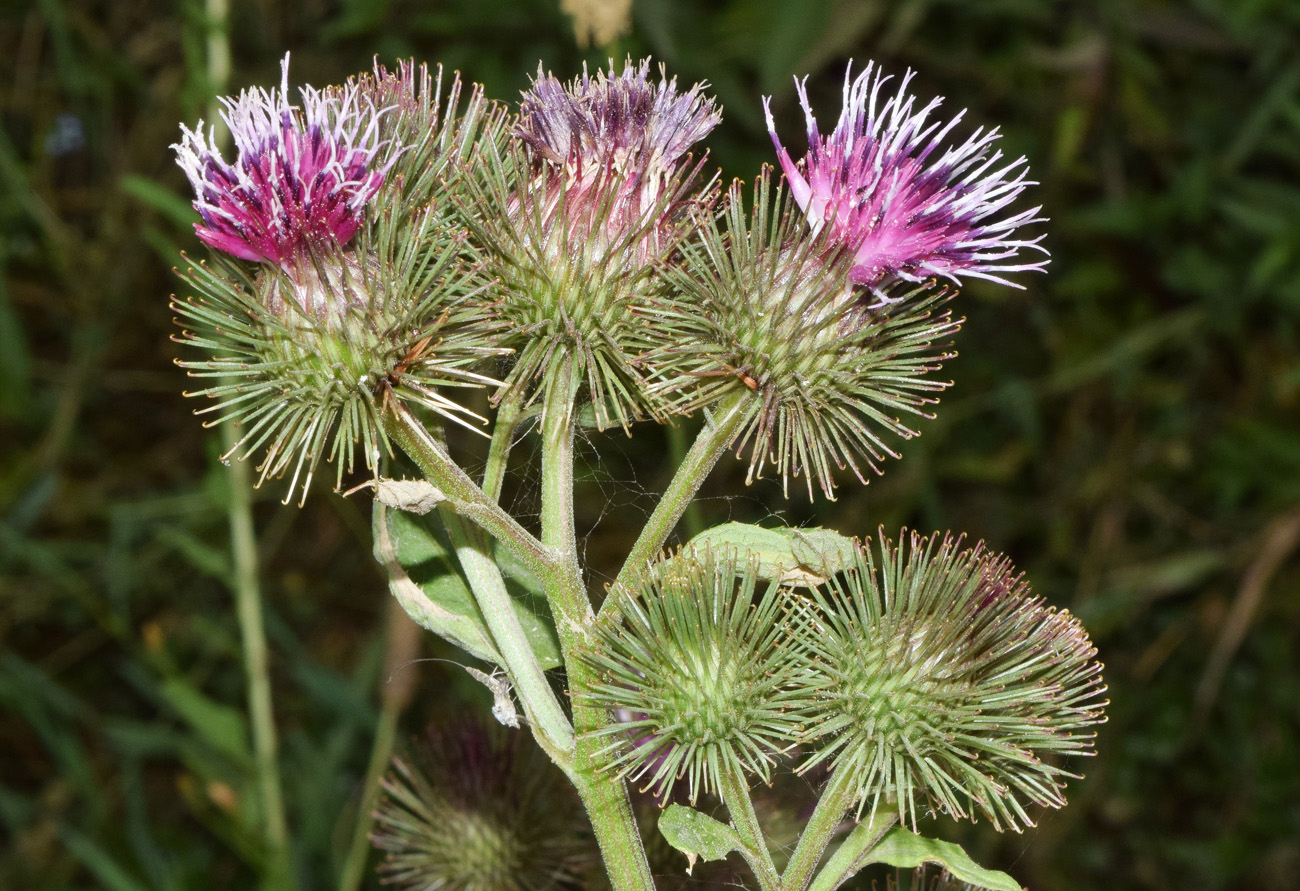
1127, 428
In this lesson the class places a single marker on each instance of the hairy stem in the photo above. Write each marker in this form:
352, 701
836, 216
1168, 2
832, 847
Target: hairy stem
503, 434
735, 795
713, 439
837, 798
853, 854
605, 798
474, 550
463, 494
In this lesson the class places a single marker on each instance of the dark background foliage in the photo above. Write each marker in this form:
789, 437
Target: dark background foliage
1126, 429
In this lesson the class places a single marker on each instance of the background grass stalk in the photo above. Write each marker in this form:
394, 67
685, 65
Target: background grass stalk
278, 873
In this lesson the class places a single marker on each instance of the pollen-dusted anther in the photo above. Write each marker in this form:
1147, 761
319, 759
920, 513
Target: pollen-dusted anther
705, 668
479, 808
301, 177
907, 207
578, 215
944, 682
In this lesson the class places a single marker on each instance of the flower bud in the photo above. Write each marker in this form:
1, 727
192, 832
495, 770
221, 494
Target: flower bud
770, 308
354, 298
943, 681
477, 808
703, 668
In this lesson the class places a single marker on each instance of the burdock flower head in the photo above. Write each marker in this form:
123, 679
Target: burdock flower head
579, 212
478, 808
772, 327
907, 206
328, 298
301, 177
704, 664
946, 683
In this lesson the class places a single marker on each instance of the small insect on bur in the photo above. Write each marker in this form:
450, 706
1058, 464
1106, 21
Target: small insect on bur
503, 704
394, 377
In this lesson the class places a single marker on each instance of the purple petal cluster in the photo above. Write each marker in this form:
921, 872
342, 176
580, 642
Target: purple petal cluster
622, 121
908, 207
301, 177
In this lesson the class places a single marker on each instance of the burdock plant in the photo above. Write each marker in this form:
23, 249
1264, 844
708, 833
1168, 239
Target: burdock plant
381, 245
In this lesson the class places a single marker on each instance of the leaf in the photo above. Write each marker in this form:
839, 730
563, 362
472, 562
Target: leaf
803, 557
162, 199
424, 576
222, 727
907, 850
697, 835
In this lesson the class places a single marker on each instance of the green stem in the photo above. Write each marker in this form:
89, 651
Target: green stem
463, 494
712, 441
837, 798
474, 551
503, 434
852, 854
605, 798
735, 795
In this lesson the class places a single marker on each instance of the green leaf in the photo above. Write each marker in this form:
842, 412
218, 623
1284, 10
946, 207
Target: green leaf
162, 199
221, 726
697, 835
907, 850
803, 557
111, 875
424, 576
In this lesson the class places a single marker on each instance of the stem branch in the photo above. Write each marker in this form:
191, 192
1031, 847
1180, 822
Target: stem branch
712, 441
735, 795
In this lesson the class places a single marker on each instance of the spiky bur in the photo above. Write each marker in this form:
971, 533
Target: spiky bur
946, 683
576, 216
429, 139
884, 184
701, 666
481, 808
338, 299
773, 311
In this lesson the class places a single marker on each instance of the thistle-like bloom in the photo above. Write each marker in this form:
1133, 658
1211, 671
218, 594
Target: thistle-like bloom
616, 138
577, 216
705, 670
772, 322
301, 175
361, 296
945, 681
479, 808
909, 208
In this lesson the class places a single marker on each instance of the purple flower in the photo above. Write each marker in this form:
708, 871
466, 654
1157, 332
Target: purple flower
621, 121
612, 146
907, 212
301, 178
